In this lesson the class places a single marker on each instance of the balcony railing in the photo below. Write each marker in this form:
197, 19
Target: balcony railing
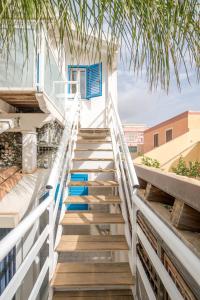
34, 69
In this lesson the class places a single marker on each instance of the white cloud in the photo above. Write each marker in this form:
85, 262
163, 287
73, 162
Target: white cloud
138, 105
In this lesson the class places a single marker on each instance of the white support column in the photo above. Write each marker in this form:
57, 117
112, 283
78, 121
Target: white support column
29, 151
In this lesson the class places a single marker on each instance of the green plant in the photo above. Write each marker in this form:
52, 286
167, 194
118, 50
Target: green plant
157, 35
192, 170
150, 162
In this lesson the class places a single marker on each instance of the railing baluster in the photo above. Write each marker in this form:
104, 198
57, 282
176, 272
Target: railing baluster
57, 176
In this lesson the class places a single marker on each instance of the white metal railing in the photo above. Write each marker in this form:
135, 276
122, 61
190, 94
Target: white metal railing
127, 178
67, 87
51, 205
128, 183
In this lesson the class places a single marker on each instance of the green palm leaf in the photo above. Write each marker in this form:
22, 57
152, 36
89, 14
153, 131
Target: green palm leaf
157, 35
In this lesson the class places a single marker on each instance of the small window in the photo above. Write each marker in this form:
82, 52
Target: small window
155, 140
133, 149
75, 74
90, 80
168, 135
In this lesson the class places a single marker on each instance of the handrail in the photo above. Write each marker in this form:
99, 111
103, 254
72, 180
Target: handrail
127, 179
10, 240
124, 146
62, 147
57, 176
131, 203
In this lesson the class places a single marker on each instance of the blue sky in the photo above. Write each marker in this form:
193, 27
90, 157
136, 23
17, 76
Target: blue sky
137, 104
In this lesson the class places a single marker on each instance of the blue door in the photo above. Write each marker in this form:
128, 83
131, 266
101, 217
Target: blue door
78, 191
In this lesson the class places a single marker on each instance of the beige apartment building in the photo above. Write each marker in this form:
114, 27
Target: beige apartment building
134, 136
170, 129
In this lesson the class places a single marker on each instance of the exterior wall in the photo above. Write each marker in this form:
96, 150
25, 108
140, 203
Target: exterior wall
134, 136
93, 111
193, 120
178, 124
169, 153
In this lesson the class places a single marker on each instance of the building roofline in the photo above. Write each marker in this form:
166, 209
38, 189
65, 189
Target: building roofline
176, 118
133, 124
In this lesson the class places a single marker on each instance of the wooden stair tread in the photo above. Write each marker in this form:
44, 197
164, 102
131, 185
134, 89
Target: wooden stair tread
87, 218
94, 295
95, 183
92, 141
77, 243
92, 159
99, 170
92, 135
68, 275
96, 199
94, 129
90, 149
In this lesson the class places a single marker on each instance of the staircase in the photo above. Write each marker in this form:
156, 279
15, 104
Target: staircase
96, 254
93, 250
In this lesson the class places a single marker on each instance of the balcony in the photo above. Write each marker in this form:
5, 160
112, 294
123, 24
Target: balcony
31, 79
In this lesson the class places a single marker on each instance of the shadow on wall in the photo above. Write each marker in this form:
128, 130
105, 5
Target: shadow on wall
190, 154
92, 114
168, 154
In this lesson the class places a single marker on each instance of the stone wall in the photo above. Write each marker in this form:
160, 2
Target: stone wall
10, 149
48, 141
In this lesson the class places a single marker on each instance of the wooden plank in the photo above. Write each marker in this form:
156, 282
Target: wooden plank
189, 238
68, 275
154, 194
165, 247
93, 135
99, 170
94, 295
19, 91
95, 183
92, 159
93, 238
90, 149
178, 279
79, 243
7, 172
20, 98
89, 267
180, 187
63, 280
97, 141
86, 218
185, 217
94, 129
96, 199
8, 184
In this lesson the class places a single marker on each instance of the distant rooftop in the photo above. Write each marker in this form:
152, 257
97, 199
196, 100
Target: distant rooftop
175, 118
133, 125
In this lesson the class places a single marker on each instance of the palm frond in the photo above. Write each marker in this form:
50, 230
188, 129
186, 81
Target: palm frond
159, 36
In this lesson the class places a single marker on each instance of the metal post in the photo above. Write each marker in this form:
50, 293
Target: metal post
51, 238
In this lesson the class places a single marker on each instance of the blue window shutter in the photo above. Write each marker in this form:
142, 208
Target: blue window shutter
94, 81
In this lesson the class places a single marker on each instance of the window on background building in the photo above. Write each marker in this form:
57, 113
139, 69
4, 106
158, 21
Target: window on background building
155, 140
133, 149
168, 135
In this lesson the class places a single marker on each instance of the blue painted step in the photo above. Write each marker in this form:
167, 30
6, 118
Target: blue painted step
78, 191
